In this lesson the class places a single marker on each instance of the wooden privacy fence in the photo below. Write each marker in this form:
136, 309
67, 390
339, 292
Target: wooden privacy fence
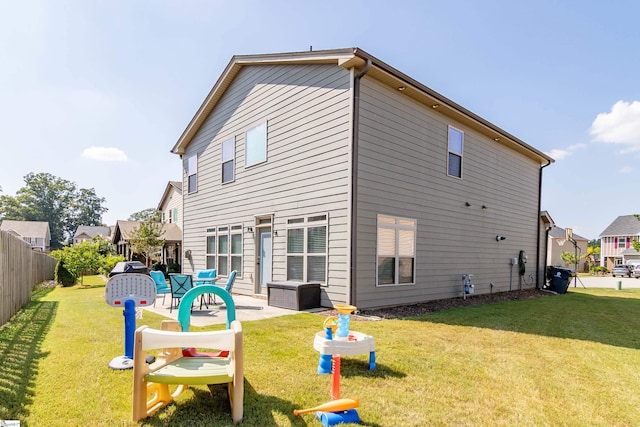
21, 268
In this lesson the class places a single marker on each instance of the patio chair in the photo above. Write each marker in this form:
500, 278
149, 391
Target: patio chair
180, 284
161, 284
205, 274
227, 286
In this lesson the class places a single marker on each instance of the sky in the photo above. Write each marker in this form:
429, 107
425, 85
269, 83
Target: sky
98, 92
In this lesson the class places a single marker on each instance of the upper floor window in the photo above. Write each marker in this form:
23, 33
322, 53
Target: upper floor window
192, 174
256, 145
175, 214
228, 160
454, 160
307, 249
622, 242
396, 250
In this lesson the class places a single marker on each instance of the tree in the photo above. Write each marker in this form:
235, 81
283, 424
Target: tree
146, 239
56, 201
569, 258
146, 215
81, 258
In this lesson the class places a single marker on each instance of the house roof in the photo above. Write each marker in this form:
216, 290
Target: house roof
355, 58
93, 231
624, 225
172, 185
26, 228
125, 228
561, 233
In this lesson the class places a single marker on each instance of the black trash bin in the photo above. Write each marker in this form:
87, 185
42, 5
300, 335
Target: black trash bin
559, 279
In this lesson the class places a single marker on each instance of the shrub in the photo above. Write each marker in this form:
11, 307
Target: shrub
599, 269
63, 276
109, 262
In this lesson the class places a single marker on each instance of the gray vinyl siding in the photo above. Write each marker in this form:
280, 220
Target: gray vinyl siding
308, 113
402, 162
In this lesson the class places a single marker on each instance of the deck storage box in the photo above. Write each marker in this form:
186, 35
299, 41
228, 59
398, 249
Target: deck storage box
294, 295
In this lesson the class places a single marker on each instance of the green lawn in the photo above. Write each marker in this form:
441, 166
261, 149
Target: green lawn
564, 360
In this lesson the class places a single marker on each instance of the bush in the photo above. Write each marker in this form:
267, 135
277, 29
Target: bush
109, 262
599, 270
63, 276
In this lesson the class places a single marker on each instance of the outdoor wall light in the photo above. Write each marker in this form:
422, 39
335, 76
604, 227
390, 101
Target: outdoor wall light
249, 229
484, 207
467, 204
187, 254
498, 238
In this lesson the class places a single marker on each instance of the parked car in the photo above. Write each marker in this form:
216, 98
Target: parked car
636, 271
621, 270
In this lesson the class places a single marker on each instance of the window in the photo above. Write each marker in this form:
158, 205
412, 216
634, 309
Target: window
622, 242
307, 249
228, 160
175, 214
396, 250
454, 161
211, 248
192, 174
256, 145
224, 249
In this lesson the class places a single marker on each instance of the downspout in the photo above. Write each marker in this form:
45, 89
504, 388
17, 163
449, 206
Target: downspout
544, 274
354, 179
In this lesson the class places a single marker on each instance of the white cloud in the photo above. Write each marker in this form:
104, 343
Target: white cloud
626, 169
620, 126
557, 154
104, 154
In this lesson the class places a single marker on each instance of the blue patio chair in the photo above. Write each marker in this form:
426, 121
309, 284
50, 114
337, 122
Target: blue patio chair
161, 284
230, 281
205, 274
180, 284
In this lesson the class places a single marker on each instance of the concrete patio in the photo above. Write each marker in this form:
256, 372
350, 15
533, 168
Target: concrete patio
247, 308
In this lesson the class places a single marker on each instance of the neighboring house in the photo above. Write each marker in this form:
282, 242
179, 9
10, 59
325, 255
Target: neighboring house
558, 244
171, 207
171, 203
36, 233
615, 242
171, 234
85, 233
334, 167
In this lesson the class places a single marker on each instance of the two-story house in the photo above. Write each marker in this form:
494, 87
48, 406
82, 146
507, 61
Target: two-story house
558, 243
36, 233
334, 167
615, 242
85, 233
170, 206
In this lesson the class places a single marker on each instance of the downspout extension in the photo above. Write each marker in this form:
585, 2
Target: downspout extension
544, 274
354, 177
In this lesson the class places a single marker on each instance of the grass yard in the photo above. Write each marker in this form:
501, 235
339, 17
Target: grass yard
565, 360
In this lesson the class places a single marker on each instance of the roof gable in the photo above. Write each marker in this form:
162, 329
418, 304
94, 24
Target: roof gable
624, 225
354, 58
27, 228
172, 186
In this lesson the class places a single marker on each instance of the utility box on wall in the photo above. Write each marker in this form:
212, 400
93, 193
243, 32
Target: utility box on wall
294, 295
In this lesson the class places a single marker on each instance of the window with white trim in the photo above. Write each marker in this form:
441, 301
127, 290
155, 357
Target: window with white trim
454, 159
224, 249
396, 247
256, 145
211, 248
192, 174
622, 242
307, 249
228, 160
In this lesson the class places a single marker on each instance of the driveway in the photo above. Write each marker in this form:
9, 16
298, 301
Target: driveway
604, 282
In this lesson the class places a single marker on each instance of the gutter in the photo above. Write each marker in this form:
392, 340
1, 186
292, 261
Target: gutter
354, 178
544, 274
